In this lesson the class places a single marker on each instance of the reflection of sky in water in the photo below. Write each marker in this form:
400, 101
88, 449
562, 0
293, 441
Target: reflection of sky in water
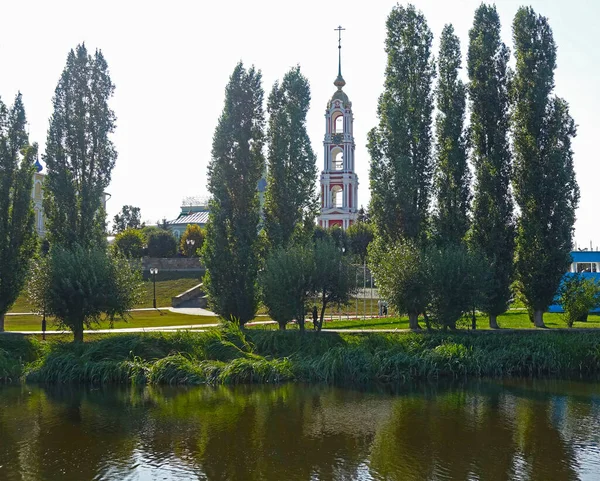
513, 430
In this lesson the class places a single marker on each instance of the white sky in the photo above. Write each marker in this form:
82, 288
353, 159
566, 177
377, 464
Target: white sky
170, 62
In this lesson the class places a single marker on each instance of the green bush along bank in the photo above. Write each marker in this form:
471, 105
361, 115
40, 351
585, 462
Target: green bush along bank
230, 356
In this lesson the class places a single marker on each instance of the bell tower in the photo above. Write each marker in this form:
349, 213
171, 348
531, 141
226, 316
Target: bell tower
339, 182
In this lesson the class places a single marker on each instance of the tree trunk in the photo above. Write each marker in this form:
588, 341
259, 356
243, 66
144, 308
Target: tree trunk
494, 321
538, 318
324, 300
413, 321
300, 321
2, 322
78, 331
282, 326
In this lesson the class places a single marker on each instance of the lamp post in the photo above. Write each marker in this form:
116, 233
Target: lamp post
190, 243
154, 271
44, 322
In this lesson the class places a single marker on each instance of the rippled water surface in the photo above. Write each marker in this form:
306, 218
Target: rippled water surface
515, 430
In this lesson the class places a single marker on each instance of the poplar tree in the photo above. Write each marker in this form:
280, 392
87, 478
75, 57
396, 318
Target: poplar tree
291, 200
17, 235
452, 175
544, 182
493, 229
400, 146
79, 153
230, 251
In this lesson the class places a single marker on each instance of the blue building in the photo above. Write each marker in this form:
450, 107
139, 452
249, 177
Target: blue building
587, 264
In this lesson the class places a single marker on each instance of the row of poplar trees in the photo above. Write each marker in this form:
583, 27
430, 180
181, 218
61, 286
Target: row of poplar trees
234, 247
73, 278
518, 139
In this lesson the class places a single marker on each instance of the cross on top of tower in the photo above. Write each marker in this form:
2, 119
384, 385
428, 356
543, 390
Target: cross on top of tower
339, 81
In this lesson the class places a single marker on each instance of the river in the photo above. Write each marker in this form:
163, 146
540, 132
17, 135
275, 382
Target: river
508, 430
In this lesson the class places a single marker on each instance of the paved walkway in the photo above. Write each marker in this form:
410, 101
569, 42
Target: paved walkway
191, 311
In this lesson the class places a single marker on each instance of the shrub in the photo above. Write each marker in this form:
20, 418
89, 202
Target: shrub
194, 233
161, 243
130, 243
578, 296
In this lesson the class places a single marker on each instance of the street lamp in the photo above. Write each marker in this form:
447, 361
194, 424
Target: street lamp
190, 243
154, 271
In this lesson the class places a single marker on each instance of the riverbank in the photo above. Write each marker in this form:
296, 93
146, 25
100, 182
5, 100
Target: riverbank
228, 356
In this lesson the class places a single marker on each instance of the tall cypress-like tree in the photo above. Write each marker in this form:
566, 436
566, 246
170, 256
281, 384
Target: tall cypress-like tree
493, 229
544, 182
400, 146
17, 236
230, 250
291, 200
452, 175
79, 153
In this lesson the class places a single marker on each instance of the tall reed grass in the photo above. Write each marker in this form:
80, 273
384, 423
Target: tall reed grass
230, 356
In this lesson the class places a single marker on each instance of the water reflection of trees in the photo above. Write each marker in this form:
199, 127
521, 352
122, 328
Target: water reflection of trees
490, 432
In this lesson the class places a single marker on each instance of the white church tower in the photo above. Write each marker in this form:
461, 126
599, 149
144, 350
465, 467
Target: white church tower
339, 182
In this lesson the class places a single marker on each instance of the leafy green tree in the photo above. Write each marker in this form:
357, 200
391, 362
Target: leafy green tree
578, 296
291, 200
334, 277
131, 243
360, 235
128, 218
400, 146
195, 233
493, 228
230, 251
17, 235
287, 284
79, 153
544, 182
339, 237
456, 278
161, 243
401, 272
81, 286
452, 175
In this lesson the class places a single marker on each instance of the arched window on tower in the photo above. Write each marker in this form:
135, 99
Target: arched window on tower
338, 124
337, 160
337, 196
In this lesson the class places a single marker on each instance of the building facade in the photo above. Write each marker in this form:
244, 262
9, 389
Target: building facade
190, 214
339, 182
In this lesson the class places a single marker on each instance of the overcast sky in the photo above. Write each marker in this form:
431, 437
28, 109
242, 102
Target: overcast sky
170, 62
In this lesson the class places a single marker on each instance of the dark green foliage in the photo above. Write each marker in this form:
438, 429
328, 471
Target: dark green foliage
400, 146
161, 243
128, 218
290, 201
17, 236
231, 248
195, 233
493, 230
544, 182
452, 175
401, 273
79, 153
334, 277
339, 237
131, 243
360, 235
79, 286
578, 296
287, 283
456, 278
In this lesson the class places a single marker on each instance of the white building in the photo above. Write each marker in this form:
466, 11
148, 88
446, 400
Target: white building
339, 182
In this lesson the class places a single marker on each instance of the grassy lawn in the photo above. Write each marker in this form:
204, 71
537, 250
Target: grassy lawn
137, 319
509, 320
168, 284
